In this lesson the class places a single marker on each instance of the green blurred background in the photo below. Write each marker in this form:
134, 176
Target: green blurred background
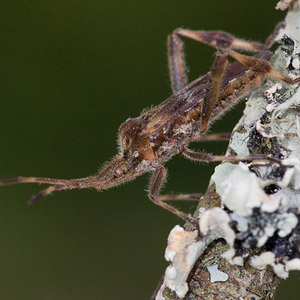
71, 72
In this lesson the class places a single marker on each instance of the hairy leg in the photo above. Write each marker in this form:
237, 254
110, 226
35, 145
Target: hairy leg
207, 157
176, 63
213, 89
156, 182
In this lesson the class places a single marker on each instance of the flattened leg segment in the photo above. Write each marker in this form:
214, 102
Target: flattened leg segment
220, 40
262, 67
216, 39
217, 72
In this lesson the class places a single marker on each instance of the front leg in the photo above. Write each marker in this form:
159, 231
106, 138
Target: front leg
156, 182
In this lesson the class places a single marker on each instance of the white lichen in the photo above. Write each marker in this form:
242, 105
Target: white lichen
271, 93
293, 264
215, 221
296, 63
287, 224
247, 194
261, 261
183, 250
280, 271
283, 4
216, 275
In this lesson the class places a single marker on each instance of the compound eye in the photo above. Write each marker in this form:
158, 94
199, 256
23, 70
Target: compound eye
118, 172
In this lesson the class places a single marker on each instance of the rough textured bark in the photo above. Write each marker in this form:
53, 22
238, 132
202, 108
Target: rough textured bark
244, 282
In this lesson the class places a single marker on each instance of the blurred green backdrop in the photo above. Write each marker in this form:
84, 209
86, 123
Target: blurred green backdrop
71, 72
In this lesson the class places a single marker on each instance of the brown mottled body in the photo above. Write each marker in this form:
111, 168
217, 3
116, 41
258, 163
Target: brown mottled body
161, 132
150, 140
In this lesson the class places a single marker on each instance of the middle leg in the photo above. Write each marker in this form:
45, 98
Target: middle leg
156, 182
213, 137
207, 157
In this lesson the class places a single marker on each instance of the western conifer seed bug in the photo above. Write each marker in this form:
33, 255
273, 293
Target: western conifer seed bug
150, 140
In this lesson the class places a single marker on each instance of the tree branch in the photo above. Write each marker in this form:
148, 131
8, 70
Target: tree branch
259, 218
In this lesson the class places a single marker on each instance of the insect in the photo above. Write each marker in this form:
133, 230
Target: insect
147, 142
